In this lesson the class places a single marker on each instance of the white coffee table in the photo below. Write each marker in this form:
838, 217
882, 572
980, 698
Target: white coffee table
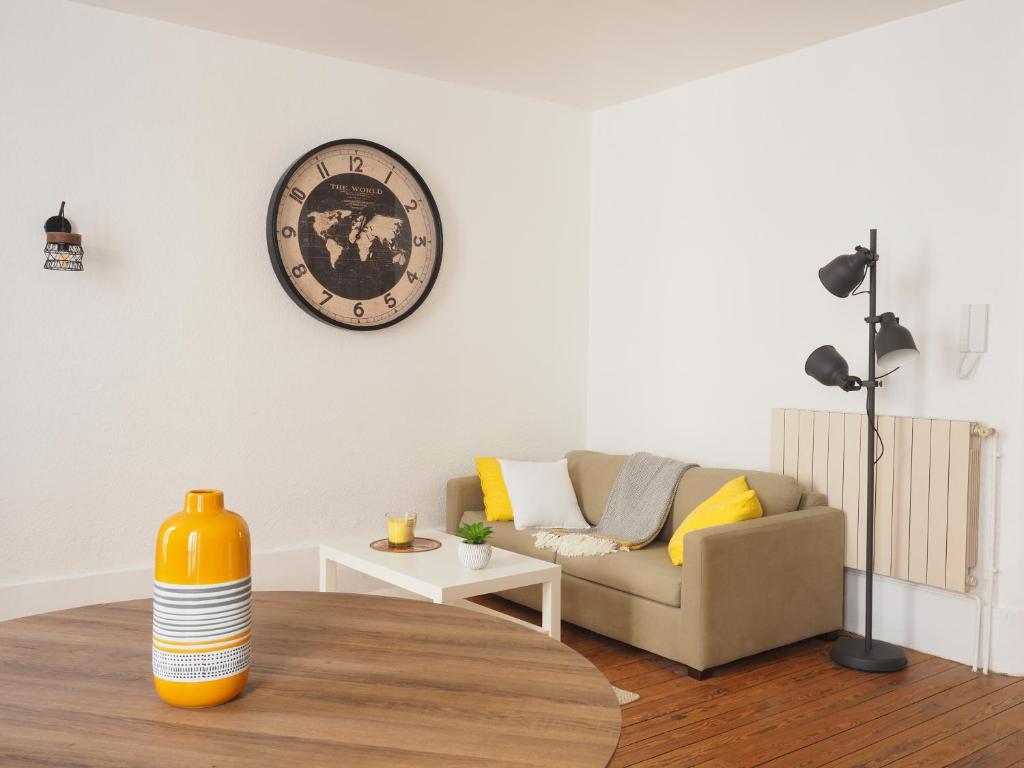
439, 576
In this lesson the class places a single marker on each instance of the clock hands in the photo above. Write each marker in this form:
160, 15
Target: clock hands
365, 220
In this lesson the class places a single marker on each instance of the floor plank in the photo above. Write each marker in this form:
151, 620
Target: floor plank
966, 742
920, 736
794, 708
769, 736
838, 740
1002, 754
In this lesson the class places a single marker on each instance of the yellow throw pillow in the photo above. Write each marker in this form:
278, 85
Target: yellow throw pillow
733, 487
497, 504
722, 508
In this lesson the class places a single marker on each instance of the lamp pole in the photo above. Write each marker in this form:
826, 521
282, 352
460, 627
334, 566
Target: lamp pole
842, 277
865, 653
871, 385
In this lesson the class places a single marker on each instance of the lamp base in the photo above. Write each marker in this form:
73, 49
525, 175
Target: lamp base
882, 657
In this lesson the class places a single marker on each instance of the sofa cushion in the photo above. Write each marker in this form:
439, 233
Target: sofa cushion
506, 536
646, 572
777, 493
497, 504
593, 475
714, 512
542, 494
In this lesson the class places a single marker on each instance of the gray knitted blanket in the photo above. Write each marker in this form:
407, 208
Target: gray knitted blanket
636, 510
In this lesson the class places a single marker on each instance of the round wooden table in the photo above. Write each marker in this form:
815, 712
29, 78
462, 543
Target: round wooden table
336, 680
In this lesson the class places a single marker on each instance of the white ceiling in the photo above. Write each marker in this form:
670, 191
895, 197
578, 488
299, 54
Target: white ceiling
590, 53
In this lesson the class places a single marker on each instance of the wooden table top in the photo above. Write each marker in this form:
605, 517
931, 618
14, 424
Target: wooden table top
336, 679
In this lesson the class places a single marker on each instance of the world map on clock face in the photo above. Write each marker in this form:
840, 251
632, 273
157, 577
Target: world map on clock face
354, 235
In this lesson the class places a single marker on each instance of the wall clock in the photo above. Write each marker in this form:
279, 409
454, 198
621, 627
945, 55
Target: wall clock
354, 235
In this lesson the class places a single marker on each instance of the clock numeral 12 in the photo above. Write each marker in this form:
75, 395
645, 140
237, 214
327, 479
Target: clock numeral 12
355, 163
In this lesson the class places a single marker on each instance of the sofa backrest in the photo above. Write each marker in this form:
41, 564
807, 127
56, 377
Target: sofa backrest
777, 493
593, 474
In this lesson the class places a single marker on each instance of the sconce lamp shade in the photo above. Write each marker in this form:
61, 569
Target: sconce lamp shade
63, 252
894, 344
843, 274
827, 366
63, 247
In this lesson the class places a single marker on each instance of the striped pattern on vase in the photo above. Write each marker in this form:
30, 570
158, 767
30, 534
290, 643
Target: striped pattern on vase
201, 632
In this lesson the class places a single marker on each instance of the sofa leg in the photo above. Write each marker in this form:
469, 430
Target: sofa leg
829, 637
698, 674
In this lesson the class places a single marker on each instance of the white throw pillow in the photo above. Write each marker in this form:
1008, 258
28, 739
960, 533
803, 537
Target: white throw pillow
541, 494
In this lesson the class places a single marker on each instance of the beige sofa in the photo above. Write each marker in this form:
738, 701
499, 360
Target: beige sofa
743, 588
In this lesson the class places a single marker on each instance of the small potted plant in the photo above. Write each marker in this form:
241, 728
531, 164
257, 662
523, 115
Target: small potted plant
474, 551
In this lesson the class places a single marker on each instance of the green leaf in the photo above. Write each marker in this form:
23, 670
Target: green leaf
474, 533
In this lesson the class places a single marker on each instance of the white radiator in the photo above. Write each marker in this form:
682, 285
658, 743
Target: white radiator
926, 503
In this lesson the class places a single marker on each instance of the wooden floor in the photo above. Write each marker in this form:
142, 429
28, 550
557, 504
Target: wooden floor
795, 707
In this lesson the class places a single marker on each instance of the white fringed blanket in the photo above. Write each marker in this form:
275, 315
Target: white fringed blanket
636, 510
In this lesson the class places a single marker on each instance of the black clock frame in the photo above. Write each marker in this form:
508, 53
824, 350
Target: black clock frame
278, 262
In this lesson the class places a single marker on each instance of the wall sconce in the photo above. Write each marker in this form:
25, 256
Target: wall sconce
63, 247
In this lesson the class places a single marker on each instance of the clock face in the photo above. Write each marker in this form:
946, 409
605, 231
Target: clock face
354, 235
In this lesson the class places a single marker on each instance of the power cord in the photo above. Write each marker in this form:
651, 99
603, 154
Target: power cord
881, 443
878, 434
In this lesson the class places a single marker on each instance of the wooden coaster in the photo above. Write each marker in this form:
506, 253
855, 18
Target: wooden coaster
418, 545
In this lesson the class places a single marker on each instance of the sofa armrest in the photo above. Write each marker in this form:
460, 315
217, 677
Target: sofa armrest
464, 494
752, 586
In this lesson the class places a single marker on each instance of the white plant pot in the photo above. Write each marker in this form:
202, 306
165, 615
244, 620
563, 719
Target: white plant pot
474, 556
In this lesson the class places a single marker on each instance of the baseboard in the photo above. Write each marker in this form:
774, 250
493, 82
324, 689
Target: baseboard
271, 570
1007, 647
934, 621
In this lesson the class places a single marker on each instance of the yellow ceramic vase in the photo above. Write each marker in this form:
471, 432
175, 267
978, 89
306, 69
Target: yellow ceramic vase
202, 604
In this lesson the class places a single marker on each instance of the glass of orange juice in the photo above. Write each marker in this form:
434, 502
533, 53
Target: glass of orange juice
401, 529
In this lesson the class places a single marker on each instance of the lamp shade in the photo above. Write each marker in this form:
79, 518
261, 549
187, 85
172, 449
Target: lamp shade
827, 366
894, 344
63, 247
843, 274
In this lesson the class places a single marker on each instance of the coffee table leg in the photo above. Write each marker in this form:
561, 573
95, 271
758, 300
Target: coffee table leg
328, 575
552, 605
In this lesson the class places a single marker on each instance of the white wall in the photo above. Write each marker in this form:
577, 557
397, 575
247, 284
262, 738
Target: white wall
715, 203
175, 360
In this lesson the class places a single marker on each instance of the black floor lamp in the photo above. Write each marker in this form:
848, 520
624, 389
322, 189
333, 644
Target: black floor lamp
891, 345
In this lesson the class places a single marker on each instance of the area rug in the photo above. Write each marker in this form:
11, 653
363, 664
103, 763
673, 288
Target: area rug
625, 697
